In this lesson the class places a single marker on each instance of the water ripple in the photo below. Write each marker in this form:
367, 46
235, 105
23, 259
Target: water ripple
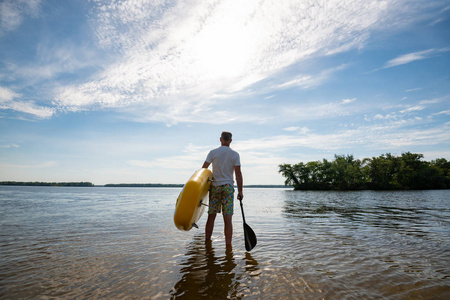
120, 243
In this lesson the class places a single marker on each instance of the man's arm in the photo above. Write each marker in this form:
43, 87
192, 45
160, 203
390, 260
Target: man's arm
240, 182
206, 165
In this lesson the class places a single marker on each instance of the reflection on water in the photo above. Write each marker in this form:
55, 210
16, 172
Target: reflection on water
358, 209
382, 243
120, 243
208, 275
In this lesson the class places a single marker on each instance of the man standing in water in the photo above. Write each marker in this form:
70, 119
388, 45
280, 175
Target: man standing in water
224, 161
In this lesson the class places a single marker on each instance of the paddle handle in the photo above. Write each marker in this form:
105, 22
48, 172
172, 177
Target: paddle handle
242, 210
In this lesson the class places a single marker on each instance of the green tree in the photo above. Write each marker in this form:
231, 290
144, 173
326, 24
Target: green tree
382, 174
443, 165
409, 166
288, 172
385, 172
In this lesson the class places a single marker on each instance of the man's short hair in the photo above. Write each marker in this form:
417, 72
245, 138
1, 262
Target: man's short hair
226, 136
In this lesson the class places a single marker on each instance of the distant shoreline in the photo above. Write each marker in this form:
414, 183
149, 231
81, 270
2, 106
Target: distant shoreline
89, 184
36, 183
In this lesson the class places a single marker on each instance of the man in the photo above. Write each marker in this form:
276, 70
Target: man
224, 161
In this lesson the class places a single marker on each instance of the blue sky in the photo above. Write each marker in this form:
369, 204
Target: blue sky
138, 91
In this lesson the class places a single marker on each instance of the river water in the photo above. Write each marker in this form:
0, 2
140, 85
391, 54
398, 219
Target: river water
121, 243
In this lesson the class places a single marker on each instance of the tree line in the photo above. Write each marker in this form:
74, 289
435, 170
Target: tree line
385, 172
37, 183
142, 185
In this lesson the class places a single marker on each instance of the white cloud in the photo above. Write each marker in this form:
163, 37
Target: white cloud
302, 130
291, 128
145, 163
437, 21
403, 111
410, 57
311, 81
314, 141
30, 108
435, 100
43, 165
177, 60
319, 111
178, 56
9, 146
412, 108
55, 58
179, 162
385, 117
392, 135
7, 101
347, 101
432, 155
414, 56
444, 112
13, 12
7, 95
414, 137
413, 90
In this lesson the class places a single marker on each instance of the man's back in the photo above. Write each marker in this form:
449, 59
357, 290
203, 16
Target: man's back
223, 160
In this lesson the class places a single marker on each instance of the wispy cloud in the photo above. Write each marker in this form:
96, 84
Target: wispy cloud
9, 146
413, 90
435, 100
13, 12
46, 164
302, 130
180, 55
347, 101
410, 57
179, 162
54, 59
8, 101
412, 109
319, 111
444, 112
392, 135
310, 81
171, 61
440, 19
7, 95
389, 116
414, 56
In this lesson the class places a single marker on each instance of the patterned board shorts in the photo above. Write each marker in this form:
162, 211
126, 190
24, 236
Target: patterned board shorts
221, 199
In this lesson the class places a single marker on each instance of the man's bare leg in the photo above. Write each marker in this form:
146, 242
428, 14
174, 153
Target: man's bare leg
227, 219
209, 227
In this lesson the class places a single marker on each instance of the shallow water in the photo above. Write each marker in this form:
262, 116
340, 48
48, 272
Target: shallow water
120, 243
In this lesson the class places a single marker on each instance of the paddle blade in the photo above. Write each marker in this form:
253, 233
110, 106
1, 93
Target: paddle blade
250, 238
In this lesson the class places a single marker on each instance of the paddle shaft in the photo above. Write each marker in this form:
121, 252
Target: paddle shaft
242, 210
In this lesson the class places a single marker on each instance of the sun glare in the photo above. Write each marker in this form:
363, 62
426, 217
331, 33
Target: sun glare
224, 47
221, 51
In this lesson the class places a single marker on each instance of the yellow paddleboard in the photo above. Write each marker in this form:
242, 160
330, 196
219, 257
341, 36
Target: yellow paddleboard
189, 208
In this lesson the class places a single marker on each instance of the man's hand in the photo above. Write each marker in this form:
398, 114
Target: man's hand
240, 196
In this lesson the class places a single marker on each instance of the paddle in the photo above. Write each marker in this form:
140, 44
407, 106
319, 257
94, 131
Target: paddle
249, 234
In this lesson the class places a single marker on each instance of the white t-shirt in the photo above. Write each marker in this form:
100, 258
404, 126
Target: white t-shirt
223, 160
